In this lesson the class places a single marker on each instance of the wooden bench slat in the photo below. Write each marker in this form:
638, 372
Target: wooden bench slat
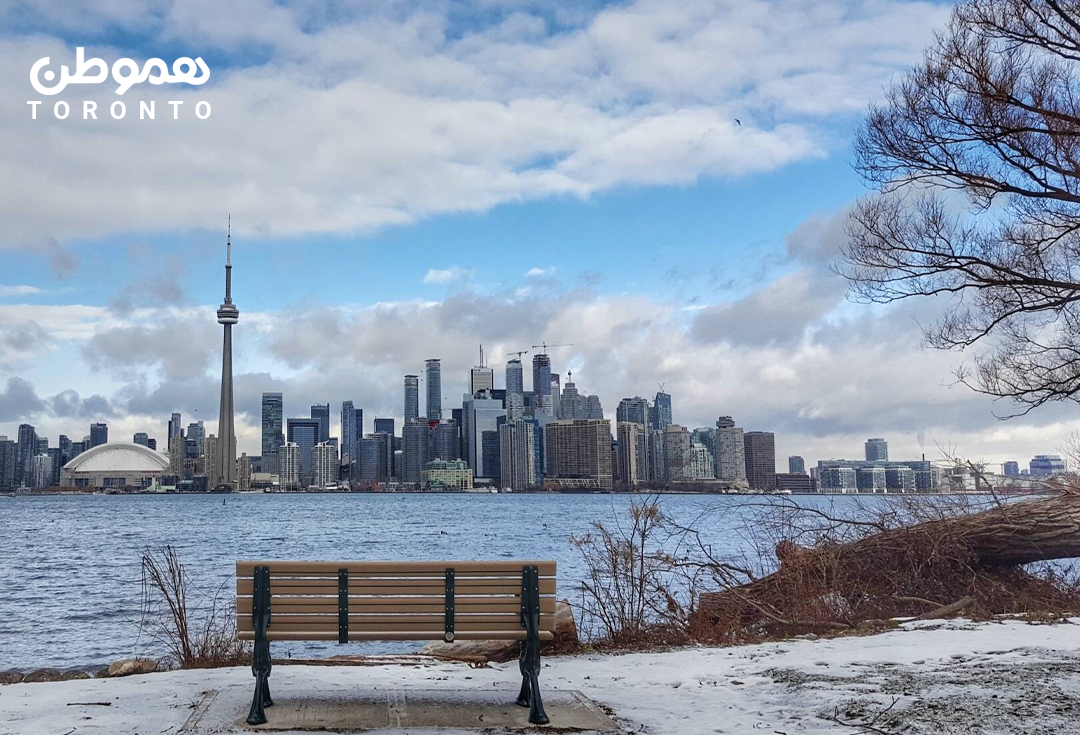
395, 635
370, 622
395, 604
245, 587
403, 568
366, 625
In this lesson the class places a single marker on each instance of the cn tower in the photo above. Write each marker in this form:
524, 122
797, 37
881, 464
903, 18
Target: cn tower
224, 474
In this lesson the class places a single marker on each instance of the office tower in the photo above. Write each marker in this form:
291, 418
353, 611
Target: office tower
579, 453
197, 433
65, 449
415, 447
152, 444
541, 376
175, 430
515, 377
517, 455
1011, 469
480, 413
139, 438
99, 434
304, 432
27, 449
634, 409
433, 385
447, 442
321, 412
760, 454
678, 461
632, 453
730, 454
374, 458
551, 401
324, 465
352, 428
1044, 465
384, 426
796, 465
481, 377
412, 398
877, 450
223, 473
273, 436
661, 411
176, 458
8, 460
290, 466
243, 473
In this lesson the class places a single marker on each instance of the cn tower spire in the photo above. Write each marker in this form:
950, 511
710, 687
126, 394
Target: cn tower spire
223, 474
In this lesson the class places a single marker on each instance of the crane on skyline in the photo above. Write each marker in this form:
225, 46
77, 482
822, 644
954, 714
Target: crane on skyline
544, 346
519, 353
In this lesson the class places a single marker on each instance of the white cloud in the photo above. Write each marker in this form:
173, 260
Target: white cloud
447, 275
383, 115
537, 272
21, 290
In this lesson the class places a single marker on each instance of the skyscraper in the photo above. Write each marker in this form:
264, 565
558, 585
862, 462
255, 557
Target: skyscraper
517, 455
176, 429
352, 429
634, 409
24, 460
541, 369
632, 453
661, 411
760, 452
272, 436
730, 452
324, 464
224, 473
384, 426
412, 398
321, 412
678, 459
579, 453
416, 447
304, 432
433, 384
515, 379
140, 437
290, 466
481, 377
796, 465
99, 434
877, 450
8, 455
480, 413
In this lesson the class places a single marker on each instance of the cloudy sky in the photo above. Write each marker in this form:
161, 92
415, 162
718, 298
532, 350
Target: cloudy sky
662, 184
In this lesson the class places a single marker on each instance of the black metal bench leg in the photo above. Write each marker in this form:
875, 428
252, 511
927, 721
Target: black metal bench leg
537, 716
260, 657
525, 695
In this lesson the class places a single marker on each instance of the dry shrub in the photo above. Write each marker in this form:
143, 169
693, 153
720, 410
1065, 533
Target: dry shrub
200, 636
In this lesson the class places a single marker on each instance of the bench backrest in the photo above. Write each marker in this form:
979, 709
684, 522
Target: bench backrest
363, 600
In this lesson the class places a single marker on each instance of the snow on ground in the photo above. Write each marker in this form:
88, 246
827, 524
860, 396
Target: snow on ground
940, 678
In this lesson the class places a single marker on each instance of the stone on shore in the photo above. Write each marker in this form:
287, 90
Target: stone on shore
132, 666
11, 677
40, 675
74, 674
501, 651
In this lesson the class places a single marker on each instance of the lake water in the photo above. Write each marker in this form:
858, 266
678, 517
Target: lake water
70, 566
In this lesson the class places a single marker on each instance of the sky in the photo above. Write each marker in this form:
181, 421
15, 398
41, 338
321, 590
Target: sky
662, 184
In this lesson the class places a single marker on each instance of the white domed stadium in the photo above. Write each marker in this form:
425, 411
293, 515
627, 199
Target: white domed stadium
115, 465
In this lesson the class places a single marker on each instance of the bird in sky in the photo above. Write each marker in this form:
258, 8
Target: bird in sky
738, 122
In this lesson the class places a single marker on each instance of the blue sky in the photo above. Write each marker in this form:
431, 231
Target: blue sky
408, 181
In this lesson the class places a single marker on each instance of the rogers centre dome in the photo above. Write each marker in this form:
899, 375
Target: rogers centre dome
115, 464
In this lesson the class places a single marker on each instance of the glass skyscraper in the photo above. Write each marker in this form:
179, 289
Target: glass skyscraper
412, 398
272, 436
433, 378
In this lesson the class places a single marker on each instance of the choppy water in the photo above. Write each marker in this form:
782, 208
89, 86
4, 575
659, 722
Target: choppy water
69, 566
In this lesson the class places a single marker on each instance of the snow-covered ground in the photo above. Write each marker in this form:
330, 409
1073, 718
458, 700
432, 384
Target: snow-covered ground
953, 677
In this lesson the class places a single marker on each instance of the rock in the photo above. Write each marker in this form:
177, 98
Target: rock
100, 672
74, 674
501, 651
42, 675
11, 677
132, 666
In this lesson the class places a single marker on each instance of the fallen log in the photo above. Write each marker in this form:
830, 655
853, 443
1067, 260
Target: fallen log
896, 571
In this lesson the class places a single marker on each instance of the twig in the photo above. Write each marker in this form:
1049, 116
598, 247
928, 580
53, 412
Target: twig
89, 704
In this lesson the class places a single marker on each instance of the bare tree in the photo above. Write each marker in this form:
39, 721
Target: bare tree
990, 119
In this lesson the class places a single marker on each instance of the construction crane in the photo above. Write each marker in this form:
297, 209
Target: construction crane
519, 353
544, 346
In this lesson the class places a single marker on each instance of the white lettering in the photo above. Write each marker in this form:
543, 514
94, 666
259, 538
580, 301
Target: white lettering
199, 106
56, 110
184, 70
33, 108
176, 108
112, 110
89, 108
145, 111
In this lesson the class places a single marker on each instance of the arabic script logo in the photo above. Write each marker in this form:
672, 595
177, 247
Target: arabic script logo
125, 72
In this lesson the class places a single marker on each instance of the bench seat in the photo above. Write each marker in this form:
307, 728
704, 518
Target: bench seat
363, 601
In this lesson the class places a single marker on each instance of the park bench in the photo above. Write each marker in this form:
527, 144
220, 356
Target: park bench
396, 601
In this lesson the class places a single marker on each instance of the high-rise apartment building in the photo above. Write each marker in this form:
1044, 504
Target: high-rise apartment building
579, 453
416, 445
634, 409
321, 413
27, 450
541, 373
632, 468
412, 398
8, 457
324, 465
661, 411
352, 428
273, 436
796, 465
730, 452
877, 450
760, 453
515, 377
433, 387
290, 466
517, 455
99, 434
678, 459
446, 441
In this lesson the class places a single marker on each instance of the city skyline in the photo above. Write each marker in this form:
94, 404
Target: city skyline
587, 199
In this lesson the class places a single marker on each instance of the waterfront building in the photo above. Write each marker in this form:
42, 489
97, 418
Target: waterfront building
447, 440
899, 479
243, 473
515, 378
794, 482
8, 462
1045, 465
870, 479
212, 446
517, 455
836, 479
324, 465
416, 447
877, 450
304, 432
1011, 469
352, 428
290, 466
759, 449
678, 462
273, 436
433, 386
899, 476
702, 465
24, 460
442, 474
224, 471
578, 453
321, 413
412, 398
632, 467
481, 413
730, 452
375, 456
796, 465
43, 470
115, 465
99, 434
